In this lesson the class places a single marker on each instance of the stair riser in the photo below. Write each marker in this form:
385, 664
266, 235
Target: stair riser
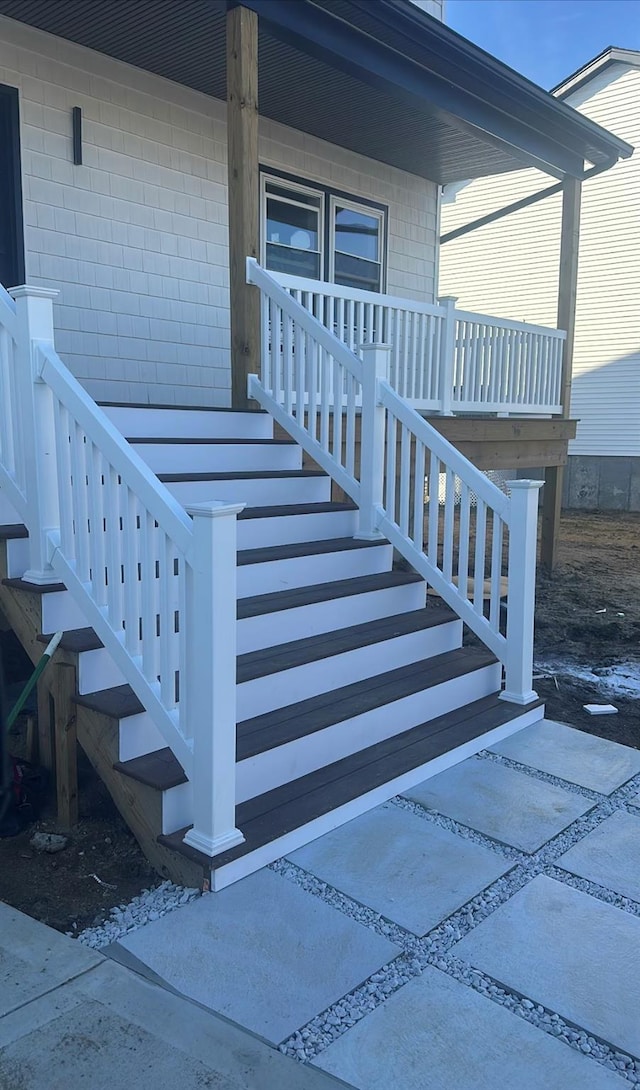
264, 694
305, 834
306, 571
175, 423
286, 763
8, 514
177, 808
60, 612
294, 529
97, 671
17, 557
255, 493
196, 458
270, 629
138, 735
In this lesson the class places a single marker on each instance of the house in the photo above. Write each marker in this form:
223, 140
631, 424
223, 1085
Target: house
242, 288
518, 259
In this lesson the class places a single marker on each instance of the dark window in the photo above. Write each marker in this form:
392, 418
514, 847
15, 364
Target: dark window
11, 240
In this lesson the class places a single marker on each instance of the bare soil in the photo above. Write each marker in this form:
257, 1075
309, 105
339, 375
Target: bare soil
599, 569
588, 614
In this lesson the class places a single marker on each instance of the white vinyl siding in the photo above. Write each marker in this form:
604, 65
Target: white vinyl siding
136, 238
510, 268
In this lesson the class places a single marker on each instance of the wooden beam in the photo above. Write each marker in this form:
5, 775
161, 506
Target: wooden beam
242, 139
567, 293
66, 743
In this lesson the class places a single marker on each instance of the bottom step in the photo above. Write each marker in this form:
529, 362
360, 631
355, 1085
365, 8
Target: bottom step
290, 816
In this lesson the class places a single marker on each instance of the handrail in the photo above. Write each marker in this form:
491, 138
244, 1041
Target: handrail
359, 295
324, 337
468, 517
168, 513
157, 586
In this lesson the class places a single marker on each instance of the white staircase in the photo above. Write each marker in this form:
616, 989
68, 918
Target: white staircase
339, 655
349, 684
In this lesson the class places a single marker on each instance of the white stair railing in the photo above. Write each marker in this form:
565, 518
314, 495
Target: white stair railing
460, 550
444, 360
158, 587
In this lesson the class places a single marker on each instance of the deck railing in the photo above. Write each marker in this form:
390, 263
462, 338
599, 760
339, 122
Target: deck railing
444, 360
157, 586
319, 390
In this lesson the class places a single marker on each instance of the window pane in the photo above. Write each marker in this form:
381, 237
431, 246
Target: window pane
354, 272
357, 233
287, 259
289, 194
292, 225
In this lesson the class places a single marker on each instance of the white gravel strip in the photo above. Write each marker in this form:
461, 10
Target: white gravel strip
536, 774
148, 906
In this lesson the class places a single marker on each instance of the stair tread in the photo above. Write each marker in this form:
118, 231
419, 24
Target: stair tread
287, 509
181, 408
277, 600
11, 530
285, 656
159, 769
34, 588
286, 724
305, 548
118, 702
271, 816
76, 640
241, 475
205, 441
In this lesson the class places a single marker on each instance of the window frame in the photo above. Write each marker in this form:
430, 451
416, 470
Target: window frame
329, 199
294, 187
378, 213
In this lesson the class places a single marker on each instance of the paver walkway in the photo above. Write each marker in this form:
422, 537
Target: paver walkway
482, 930
70, 1018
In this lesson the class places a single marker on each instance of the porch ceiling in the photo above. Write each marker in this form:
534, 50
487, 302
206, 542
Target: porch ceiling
383, 80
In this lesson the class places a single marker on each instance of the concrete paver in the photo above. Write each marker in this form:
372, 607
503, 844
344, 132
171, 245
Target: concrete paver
501, 803
408, 869
262, 952
610, 855
572, 755
34, 959
109, 1029
566, 950
437, 1033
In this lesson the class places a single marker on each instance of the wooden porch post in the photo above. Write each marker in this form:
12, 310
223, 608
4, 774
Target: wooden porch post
567, 291
242, 152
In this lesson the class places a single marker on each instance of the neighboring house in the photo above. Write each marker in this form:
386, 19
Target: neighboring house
510, 268
238, 206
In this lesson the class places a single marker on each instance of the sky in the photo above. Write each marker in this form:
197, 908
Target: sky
546, 40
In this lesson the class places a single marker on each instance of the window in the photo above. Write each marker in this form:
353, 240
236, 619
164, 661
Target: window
292, 219
356, 246
320, 235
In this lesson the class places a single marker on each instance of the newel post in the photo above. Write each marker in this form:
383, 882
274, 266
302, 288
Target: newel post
448, 353
523, 540
210, 698
375, 368
34, 313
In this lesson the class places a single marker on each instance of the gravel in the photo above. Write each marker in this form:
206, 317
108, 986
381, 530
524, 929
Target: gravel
148, 906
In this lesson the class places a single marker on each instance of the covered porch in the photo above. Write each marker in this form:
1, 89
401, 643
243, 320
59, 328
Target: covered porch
392, 84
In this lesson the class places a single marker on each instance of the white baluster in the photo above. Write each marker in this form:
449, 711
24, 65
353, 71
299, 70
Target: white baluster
34, 314
523, 526
375, 358
448, 352
211, 659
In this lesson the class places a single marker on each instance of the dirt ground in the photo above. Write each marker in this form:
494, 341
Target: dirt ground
599, 569
588, 614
